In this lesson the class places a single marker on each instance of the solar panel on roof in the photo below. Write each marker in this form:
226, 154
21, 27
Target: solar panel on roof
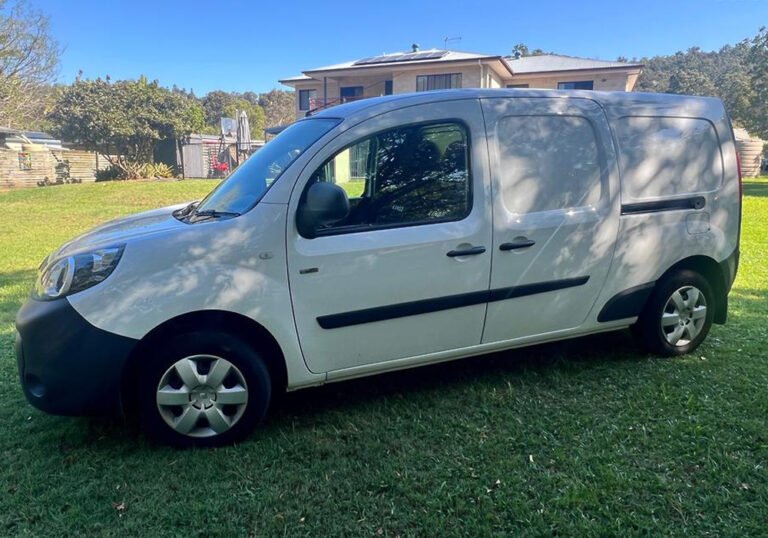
409, 57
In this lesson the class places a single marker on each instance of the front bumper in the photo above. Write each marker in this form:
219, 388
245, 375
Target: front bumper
66, 365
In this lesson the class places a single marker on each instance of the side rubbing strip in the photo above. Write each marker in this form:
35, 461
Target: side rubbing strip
695, 202
502, 294
426, 306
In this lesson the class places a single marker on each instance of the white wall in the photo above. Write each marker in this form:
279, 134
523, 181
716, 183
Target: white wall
405, 81
606, 81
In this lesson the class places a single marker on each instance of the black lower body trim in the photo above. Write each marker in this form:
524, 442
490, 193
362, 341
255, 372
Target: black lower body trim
426, 306
627, 304
66, 365
729, 268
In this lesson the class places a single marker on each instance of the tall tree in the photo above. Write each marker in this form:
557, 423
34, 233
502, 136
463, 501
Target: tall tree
729, 73
757, 64
279, 107
29, 57
123, 120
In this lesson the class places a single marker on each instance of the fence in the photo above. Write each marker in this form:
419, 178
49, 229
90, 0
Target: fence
31, 168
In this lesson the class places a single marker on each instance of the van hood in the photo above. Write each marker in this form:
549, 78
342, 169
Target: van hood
122, 230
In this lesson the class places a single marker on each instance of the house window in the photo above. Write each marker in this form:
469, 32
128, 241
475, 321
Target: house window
438, 82
305, 96
388, 87
576, 85
518, 86
350, 93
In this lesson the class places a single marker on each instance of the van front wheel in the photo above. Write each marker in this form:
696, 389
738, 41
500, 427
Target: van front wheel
203, 389
678, 315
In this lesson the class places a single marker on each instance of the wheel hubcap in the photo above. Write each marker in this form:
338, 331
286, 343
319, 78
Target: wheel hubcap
202, 396
684, 316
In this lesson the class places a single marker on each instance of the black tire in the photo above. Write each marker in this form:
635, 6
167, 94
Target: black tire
203, 349
655, 338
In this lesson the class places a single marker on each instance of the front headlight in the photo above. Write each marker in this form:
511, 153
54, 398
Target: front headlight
75, 273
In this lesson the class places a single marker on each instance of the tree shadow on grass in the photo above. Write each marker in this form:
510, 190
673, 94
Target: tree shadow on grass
557, 357
10, 298
567, 357
754, 188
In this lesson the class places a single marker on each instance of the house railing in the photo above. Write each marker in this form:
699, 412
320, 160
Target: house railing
317, 104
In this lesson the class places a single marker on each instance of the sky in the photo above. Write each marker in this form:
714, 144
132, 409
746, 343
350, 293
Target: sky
241, 45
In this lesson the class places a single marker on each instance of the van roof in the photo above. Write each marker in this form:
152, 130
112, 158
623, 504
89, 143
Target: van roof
620, 102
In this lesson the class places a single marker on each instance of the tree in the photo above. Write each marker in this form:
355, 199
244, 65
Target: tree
123, 120
523, 50
724, 73
29, 57
218, 104
691, 82
757, 65
279, 107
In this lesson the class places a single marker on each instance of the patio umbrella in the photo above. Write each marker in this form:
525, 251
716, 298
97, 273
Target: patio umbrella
243, 133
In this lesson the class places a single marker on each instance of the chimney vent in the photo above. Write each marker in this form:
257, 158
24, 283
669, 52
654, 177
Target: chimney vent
415, 47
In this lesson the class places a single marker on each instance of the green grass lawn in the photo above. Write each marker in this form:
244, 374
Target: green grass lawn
583, 438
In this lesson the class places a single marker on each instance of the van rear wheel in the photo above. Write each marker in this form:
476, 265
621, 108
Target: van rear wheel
678, 315
203, 389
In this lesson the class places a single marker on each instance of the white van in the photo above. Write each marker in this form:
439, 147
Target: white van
390, 233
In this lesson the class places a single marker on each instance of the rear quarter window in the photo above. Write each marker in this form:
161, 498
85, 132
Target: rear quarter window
667, 157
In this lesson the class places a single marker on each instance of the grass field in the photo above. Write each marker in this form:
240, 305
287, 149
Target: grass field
584, 438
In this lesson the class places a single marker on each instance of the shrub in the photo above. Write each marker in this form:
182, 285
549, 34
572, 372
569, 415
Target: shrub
157, 170
135, 171
109, 174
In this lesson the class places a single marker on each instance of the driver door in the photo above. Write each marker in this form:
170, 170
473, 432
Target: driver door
406, 273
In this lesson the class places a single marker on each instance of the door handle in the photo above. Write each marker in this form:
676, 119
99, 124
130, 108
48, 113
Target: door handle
522, 243
473, 251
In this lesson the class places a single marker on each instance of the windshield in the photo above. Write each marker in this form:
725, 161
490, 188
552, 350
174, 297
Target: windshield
240, 191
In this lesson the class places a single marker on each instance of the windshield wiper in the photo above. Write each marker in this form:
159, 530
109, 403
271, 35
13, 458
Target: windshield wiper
186, 210
213, 214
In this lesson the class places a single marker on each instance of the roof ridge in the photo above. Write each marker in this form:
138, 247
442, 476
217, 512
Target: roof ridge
569, 56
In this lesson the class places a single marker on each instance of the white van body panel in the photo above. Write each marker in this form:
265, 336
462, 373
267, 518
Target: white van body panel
650, 243
244, 264
235, 265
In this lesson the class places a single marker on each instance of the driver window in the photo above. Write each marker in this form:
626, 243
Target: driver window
417, 174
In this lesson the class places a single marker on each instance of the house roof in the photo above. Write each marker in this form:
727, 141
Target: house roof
407, 58
555, 62
544, 63
397, 59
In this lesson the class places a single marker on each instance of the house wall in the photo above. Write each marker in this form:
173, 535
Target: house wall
405, 81
610, 81
402, 82
494, 80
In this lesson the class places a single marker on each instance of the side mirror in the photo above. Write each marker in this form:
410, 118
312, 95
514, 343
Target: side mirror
324, 204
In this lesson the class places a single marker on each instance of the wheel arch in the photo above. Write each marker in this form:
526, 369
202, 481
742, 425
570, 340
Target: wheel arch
230, 322
713, 272
633, 301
